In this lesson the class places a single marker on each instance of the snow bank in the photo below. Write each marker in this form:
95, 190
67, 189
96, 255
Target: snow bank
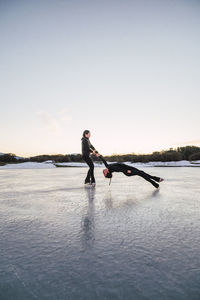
181, 163
76, 164
49, 164
195, 162
28, 165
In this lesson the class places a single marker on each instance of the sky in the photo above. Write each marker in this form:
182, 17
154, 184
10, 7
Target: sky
128, 71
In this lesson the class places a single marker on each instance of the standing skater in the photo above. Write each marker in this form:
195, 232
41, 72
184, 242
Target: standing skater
128, 171
88, 148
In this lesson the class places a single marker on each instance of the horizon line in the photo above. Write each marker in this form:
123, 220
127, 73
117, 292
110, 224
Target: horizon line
127, 153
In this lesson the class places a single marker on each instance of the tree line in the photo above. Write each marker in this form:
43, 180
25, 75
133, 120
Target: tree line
189, 153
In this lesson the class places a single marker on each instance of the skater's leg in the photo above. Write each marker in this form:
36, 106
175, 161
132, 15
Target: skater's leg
147, 177
87, 179
90, 174
135, 171
92, 171
158, 179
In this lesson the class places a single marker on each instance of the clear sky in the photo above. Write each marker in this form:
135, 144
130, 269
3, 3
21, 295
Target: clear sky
129, 71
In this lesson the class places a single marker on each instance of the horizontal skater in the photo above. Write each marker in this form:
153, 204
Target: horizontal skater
128, 171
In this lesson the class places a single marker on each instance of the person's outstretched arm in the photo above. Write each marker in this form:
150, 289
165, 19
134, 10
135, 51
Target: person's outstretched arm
92, 148
103, 160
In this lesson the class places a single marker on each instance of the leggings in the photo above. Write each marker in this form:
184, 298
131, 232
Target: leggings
90, 174
135, 171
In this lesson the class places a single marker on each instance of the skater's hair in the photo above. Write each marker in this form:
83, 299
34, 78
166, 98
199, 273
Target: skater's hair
85, 132
107, 174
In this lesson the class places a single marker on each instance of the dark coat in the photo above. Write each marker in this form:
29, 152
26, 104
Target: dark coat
87, 147
118, 167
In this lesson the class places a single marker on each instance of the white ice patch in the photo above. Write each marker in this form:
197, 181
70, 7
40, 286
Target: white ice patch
50, 164
28, 165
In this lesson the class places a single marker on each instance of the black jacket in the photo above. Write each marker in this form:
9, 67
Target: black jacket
117, 167
87, 147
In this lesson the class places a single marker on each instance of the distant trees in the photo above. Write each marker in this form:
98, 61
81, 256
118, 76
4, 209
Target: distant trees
194, 156
11, 158
180, 153
187, 151
58, 158
8, 158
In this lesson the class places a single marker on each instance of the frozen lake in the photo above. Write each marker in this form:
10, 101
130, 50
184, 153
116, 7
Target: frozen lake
61, 240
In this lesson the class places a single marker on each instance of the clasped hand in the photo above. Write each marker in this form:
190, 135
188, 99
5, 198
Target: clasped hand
96, 153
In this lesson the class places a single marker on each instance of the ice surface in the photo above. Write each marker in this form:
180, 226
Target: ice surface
60, 240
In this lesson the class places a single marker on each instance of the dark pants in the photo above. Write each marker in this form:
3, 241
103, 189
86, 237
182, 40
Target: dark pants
135, 171
90, 174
